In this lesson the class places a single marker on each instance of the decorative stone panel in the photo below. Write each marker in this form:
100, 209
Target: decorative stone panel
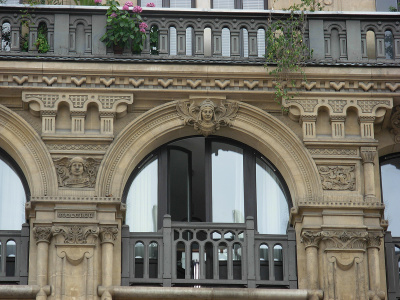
337, 178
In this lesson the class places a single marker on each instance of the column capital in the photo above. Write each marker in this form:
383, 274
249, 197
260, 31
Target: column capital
42, 234
108, 234
368, 154
311, 238
374, 239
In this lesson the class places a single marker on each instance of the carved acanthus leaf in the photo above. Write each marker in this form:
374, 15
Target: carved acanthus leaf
75, 234
311, 238
42, 234
207, 117
108, 234
374, 239
345, 239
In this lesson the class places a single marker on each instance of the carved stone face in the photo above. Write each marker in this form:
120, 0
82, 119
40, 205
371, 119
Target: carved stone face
207, 113
77, 168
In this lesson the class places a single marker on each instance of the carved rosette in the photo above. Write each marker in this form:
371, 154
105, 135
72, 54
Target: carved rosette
374, 239
42, 234
75, 234
207, 117
108, 234
337, 177
311, 238
368, 154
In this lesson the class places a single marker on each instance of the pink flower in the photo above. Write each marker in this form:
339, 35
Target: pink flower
113, 15
97, 1
137, 9
129, 3
143, 30
125, 7
150, 4
143, 25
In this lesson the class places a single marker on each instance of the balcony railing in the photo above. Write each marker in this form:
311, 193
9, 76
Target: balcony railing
14, 245
392, 253
208, 254
194, 34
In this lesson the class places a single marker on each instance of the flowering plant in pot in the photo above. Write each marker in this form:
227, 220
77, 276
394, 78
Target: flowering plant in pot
124, 25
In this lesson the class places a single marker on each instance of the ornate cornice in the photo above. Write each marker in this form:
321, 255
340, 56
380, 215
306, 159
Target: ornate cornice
108, 234
42, 234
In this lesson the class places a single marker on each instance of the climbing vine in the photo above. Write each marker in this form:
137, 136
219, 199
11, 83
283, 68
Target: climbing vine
286, 48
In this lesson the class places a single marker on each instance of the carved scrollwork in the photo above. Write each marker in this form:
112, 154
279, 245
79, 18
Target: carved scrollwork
75, 234
345, 239
108, 234
77, 172
42, 234
337, 177
207, 117
311, 238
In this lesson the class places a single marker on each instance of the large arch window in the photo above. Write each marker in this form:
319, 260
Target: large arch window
211, 179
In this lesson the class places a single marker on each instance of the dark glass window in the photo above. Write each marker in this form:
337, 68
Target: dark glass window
211, 179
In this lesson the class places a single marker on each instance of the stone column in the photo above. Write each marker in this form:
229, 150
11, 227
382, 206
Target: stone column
311, 241
308, 122
368, 156
108, 235
373, 244
337, 123
42, 235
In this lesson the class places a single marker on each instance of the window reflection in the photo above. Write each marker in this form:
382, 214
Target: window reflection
12, 199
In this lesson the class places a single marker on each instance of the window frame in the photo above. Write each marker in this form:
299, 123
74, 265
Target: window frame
166, 3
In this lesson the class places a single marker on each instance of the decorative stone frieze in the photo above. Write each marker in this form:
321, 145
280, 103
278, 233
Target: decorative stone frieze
207, 117
75, 234
108, 234
76, 172
345, 239
337, 177
42, 234
332, 152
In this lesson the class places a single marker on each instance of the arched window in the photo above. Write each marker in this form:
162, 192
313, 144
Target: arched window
210, 179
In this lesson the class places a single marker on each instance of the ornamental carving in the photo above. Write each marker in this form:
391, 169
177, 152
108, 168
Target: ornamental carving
207, 117
368, 154
337, 177
332, 151
374, 239
75, 234
311, 238
108, 234
345, 239
42, 234
395, 122
76, 172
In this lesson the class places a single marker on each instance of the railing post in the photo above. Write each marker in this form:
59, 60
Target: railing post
164, 41
249, 244
181, 42
199, 42
217, 43
167, 245
253, 45
354, 48
23, 254
291, 258
316, 28
126, 259
391, 265
98, 30
61, 34
235, 43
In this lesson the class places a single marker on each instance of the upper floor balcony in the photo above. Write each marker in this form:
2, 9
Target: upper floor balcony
197, 35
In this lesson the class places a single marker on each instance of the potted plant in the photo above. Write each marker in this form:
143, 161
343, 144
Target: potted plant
124, 25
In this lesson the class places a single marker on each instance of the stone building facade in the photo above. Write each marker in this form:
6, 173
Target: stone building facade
78, 121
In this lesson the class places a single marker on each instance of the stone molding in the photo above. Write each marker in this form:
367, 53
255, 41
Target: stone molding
75, 234
74, 199
42, 234
207, 117
252, 125
108, 234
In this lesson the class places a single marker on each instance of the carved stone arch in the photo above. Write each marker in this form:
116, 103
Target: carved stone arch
24, 145
251, 126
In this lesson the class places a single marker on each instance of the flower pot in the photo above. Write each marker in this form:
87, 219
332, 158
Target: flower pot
118, 49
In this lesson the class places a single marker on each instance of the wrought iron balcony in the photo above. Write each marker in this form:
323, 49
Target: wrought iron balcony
208, 254
194, 35
14, 245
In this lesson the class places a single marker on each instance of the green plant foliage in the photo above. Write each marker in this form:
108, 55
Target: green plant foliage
123, 26
286, 49
394, 9
41, 43
154, 40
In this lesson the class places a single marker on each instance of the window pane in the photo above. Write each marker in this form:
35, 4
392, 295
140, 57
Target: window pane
180, 3
141, 215
227, 183
390, 173
224, 4
253, 4
272, 208
12, 199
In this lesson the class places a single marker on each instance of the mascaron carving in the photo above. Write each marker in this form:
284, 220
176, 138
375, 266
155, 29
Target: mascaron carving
207, 117
42, 234
337, 177
75, 234
108, 234
76, 172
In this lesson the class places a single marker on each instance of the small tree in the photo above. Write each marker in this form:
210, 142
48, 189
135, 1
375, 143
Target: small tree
285, 46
